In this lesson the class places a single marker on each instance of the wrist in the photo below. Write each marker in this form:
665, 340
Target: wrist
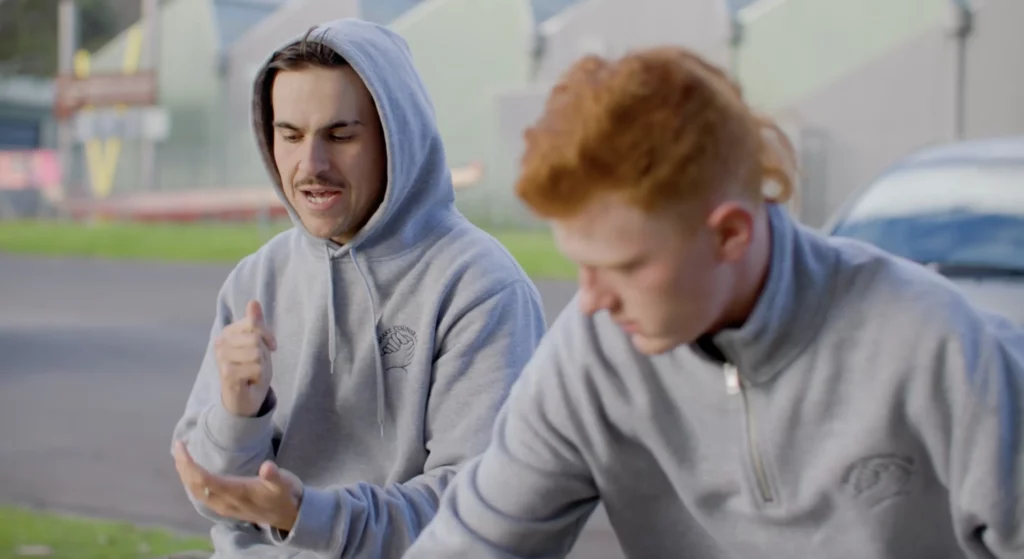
290, 516
246, 409
231, 431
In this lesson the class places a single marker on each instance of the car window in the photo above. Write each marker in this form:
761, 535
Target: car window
963, 217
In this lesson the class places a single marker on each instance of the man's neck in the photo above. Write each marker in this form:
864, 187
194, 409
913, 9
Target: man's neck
752, 274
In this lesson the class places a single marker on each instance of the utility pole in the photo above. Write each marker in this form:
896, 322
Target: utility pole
963, 26
151, 61
735, 42
67, 43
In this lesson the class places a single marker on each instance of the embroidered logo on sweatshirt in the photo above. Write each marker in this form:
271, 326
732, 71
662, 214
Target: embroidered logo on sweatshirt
876, 479
396, 347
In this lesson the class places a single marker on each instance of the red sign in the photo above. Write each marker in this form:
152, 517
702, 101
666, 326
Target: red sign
20, 170
104, 90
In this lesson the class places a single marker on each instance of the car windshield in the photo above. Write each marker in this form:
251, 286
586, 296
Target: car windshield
962, 219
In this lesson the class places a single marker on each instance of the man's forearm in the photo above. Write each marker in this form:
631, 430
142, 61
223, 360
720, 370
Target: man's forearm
229, 444
526, 513
364, 520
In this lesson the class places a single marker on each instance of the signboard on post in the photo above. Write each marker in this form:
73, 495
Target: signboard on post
145, 123
103, 90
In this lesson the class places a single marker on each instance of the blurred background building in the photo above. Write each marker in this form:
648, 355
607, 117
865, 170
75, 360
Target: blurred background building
857, 84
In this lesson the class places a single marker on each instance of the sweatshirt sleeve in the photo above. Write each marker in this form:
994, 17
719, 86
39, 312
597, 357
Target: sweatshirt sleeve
477, 363
218, 440
986, 462
531, 492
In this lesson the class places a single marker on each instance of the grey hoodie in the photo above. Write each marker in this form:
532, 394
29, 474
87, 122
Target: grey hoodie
395, 351
865, 411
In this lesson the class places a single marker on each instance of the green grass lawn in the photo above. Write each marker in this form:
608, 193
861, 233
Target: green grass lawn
23, 532
534, 250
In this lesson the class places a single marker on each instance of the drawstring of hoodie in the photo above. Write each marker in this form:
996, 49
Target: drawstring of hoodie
377, 359
332, 343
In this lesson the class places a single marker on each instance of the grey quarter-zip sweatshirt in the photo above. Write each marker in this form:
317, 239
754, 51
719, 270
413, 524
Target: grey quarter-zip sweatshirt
865, 410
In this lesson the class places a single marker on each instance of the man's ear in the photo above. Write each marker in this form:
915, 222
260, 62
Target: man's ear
731, 224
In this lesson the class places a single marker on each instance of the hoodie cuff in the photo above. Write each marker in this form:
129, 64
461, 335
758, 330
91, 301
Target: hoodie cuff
315, 525
233, 432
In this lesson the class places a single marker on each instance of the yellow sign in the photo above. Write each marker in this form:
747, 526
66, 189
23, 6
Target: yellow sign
101, 156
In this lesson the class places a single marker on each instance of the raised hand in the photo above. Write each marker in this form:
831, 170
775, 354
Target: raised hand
243, 358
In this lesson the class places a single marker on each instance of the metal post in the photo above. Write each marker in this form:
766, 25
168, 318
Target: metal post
67, 43
735, 37
963, 27
151, 61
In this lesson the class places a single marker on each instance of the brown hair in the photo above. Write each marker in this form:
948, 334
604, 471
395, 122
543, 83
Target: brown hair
660, 126
309, 51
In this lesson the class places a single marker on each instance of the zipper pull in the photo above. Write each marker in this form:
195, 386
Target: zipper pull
732, 379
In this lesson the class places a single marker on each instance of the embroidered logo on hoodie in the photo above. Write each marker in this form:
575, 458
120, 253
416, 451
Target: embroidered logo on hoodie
877, 479
397, 345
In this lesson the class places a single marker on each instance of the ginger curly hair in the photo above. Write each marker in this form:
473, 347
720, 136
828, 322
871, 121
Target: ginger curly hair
660, 126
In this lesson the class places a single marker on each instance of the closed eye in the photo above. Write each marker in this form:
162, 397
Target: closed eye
629, 267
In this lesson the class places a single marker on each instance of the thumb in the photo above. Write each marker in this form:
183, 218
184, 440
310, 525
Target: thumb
254, 312
270, 473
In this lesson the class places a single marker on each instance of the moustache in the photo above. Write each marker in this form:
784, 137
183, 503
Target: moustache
320, 180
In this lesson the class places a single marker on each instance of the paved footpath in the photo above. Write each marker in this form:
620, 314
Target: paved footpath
96, 360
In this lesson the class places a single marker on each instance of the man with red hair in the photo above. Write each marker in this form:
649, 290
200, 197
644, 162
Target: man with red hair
729, 383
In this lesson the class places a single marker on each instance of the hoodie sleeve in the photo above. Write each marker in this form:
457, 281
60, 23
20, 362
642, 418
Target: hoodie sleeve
531, 492
218, 440
478, 361
986, 452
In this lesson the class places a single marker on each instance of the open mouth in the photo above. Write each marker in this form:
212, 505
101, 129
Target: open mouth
321, 199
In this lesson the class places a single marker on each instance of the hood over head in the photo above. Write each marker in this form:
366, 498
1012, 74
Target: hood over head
418, 196
419, 192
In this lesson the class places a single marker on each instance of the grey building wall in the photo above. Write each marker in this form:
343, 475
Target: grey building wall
385, 11
611, 27
995, 70
862, 122
906, 99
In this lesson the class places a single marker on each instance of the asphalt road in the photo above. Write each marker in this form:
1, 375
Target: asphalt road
96, 361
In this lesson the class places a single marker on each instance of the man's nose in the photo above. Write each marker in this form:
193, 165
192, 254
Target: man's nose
592, 297
315, 160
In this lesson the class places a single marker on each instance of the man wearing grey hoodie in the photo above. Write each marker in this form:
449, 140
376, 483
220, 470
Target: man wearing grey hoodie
359, 359
729, 383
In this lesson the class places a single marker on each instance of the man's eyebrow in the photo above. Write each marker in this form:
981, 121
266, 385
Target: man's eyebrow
343, 124
332, 126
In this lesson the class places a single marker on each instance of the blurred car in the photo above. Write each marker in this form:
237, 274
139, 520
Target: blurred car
957, 208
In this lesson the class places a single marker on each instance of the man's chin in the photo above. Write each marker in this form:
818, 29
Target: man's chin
324, 231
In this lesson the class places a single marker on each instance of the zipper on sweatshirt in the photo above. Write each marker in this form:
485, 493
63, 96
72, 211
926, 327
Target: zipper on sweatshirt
733, 387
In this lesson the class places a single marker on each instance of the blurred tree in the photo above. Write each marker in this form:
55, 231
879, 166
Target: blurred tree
28, 33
